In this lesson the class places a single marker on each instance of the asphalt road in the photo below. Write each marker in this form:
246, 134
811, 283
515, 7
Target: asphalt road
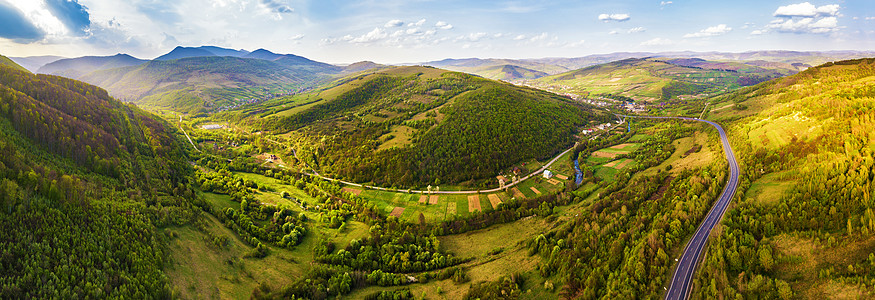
682, 281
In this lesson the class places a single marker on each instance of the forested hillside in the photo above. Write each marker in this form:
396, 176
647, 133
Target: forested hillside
199, 84
802, 222
654, 80
85, 181
417, 126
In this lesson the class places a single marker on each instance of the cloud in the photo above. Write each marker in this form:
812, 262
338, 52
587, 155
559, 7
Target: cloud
277, 7
394, 23
540, 37
520, 37
296, 37
657, 42
613, 32
805, 25
636, 30
806, 10
443, 25
710, 31
15, 26
614, 17
418, 23
74, 16
664, 3
803, 18
370, 37
472, 37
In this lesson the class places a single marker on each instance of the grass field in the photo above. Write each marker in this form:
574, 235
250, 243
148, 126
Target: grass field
799, 259
768, 189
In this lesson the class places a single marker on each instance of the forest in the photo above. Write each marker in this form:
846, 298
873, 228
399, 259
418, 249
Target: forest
85, 184
828, 196
466, 131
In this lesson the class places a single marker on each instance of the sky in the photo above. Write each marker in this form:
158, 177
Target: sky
396, 31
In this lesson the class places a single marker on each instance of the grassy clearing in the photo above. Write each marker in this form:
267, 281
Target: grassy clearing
768, 189
201, 270
398, 137
801, 258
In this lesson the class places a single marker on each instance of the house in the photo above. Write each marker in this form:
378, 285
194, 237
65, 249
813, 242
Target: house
213, 126
548, 174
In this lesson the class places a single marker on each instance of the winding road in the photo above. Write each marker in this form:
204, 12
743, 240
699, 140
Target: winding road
682, 281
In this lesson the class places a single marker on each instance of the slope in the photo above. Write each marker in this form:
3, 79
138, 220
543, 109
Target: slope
508, 72
803, 221
76, 67
33, 63
415, 126
84, 183
202, 83
654, 80
5, 61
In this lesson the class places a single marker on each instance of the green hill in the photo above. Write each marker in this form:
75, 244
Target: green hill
84, 183
202, 83
415, 126
76, 67
5, 61
806, 144
655, 80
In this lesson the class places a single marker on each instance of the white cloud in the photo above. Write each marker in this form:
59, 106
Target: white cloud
394, 23
613, 32
539, 37
807, 10
636, 30
370, 37
614, 17
657, 42
520, 37
805, 25
758, 32
575, 44
414, 30
443, 25
870, 18
296, 37
664, 3
417, 23
472, 37
710, 31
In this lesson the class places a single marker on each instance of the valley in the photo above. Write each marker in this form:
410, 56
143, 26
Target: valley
452, 150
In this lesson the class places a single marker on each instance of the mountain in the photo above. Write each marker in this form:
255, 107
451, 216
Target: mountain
33, 63
807, 145
203, 83
185, 52
362, 66
77, 67
5, 61
656, 80
799, 60
85, 183
416, 126
510, 72
293, 61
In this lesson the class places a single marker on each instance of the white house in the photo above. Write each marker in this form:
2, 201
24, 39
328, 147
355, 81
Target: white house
548, 174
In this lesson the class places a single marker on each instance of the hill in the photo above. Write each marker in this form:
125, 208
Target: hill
292, 60
804, 204
33, 63
185, 52
77, 67
656, 80
509, 72
203, 83
416, 126
85, 182
5, 61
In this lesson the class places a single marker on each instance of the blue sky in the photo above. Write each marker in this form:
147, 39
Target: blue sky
391, 31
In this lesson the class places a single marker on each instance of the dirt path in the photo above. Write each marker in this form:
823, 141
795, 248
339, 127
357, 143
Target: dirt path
423, 199
353, 191
433, 199
624, 164
560, 176
537, 192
